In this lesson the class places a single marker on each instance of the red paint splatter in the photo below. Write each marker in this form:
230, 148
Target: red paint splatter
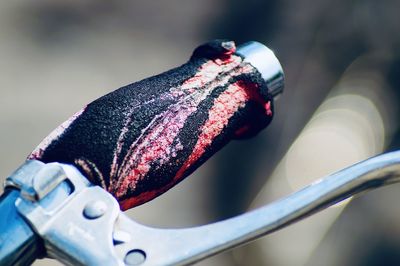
252, 89
268, 109
142, 198
156, 145
224, 107
208, 72
156, 142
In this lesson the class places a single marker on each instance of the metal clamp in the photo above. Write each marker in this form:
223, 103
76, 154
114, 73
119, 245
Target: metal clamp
74, 219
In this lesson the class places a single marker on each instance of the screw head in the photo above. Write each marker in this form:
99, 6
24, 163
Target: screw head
135, 257
95, 209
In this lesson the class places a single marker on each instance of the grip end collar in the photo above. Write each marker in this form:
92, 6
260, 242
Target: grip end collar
265, 61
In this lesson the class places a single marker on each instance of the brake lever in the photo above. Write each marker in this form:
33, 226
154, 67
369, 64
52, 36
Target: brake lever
97, 232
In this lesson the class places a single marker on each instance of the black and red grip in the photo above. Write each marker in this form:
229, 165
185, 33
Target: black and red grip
140, 140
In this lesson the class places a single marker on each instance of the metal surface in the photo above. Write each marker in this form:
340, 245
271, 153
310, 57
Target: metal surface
22, 177
106, 236
18, 243
185, 246
264, 59
69, 219
68, 235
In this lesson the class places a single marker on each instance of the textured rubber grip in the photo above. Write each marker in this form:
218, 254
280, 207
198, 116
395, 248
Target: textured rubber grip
140, 140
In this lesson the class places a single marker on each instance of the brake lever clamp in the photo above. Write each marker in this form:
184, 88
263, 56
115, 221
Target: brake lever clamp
73, 218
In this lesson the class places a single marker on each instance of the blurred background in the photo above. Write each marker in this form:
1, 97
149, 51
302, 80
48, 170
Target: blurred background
340, 106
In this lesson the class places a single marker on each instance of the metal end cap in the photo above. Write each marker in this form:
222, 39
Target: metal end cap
265, 61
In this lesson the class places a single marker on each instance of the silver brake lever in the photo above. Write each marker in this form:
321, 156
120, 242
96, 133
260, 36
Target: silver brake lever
184, 246
86, 227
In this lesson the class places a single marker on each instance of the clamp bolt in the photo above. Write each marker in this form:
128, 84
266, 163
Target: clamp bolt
135, 257
94, 209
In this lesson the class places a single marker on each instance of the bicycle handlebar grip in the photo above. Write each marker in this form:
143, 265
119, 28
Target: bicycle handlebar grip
140, 140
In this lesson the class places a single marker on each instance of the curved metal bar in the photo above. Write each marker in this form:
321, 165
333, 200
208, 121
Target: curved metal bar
112, 238
184, 246
18, 243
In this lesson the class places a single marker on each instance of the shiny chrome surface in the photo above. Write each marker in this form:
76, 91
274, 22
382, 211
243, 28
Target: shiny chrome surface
180, 247
265, 61
18, 243
109, 237
68, 235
